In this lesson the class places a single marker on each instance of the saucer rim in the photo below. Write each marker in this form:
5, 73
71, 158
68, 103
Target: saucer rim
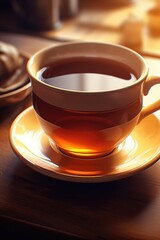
76, 178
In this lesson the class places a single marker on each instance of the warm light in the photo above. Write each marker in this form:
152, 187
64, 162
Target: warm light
31, 147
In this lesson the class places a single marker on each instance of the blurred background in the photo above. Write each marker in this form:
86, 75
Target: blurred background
135, 23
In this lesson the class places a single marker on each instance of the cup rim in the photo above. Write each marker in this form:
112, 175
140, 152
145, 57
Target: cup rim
46, 49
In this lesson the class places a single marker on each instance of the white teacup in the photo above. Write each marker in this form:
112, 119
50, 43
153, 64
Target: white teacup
89, 118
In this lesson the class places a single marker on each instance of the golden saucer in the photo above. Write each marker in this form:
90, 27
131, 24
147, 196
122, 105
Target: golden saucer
18, 94
140, 150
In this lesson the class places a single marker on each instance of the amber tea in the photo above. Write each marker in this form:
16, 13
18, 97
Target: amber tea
86, 133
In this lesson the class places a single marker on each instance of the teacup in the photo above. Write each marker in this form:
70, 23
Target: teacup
88, 96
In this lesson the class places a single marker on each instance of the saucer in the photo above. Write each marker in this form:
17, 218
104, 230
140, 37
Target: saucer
21, 92
139, 151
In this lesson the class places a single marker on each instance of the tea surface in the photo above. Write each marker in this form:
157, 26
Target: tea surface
87, 74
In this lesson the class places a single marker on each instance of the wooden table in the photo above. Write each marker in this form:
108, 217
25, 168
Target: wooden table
33, 205
124, 209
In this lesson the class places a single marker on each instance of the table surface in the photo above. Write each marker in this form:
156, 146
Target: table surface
125, 209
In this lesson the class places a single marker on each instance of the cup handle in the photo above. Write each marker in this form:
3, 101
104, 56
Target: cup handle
151, 81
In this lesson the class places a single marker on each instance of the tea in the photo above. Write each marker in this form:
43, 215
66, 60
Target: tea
86, 133
87, 74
